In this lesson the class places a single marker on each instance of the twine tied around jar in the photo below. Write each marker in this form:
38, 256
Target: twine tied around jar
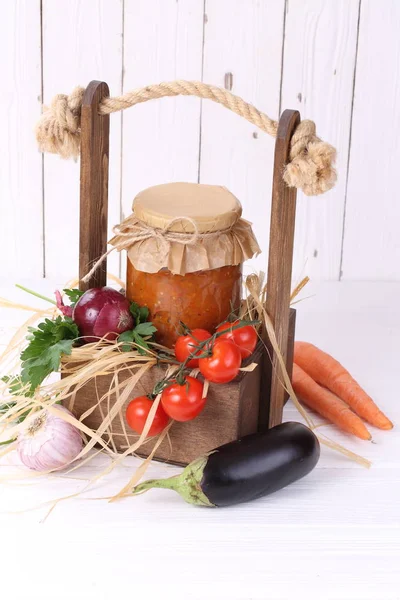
311, 165
132, 231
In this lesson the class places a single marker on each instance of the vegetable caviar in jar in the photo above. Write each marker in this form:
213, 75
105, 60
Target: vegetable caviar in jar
186, 243
202, 299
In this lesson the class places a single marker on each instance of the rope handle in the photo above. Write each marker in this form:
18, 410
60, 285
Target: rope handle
310, 167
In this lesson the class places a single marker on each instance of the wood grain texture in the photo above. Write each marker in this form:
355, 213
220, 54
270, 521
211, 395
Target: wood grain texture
21, 211
231, 412
93, 218
333, 534
242, 50
280, 257
243, 39
163, 41
371, 241
82, 41
268, 370
317, 79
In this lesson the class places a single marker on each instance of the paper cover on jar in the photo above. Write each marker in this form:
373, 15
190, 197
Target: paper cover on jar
185, 227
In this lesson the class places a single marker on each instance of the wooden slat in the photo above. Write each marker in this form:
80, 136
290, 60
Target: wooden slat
242, 51
372, 242
318, 71
21, 216
82, 41
94, 185
231, 412
283, 214
267, 371
163, 41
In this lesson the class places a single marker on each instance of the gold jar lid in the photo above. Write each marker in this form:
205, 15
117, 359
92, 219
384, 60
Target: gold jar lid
210, 207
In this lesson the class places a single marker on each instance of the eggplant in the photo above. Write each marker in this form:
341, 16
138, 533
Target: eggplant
246, 469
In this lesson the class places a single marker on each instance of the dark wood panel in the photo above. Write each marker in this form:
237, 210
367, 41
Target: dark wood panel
283, 214
94, 185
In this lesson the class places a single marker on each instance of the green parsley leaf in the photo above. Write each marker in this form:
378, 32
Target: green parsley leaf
142, 329
142, 345
139, 313
127, 336
134, 342
73, 295
134, 339
47, 343
135, 311
143, 314
15, 386
145, 329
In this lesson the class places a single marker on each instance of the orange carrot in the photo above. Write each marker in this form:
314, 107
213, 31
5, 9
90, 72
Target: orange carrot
327, 404
327, 371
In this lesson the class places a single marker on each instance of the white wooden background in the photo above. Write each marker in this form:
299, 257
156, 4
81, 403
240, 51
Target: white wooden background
337, 61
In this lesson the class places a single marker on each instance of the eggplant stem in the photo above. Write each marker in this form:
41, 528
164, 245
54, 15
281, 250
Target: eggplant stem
187, 484
170, 484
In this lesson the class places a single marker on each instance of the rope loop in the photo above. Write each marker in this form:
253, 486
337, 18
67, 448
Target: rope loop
58, 130
311, 166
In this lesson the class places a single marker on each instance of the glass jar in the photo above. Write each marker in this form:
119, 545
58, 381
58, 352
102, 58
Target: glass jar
186, 243
202, 299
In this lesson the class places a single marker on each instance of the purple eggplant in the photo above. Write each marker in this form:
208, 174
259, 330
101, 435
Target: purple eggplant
246, 469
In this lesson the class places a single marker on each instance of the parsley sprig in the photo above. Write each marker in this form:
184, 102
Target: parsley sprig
139, 335
73, 295
53, 338
47, 343
16, 388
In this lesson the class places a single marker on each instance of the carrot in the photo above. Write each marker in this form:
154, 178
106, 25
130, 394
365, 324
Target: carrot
327, 404
327, 371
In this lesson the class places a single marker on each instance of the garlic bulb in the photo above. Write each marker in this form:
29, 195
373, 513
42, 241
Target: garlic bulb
48, 442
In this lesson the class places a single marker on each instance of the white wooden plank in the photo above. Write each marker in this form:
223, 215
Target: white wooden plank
244, 39
21, 229
236, 561
161, 138
333, 534
372, 242
319, 60
82, 41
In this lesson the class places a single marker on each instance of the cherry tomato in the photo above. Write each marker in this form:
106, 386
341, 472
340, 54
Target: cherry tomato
245, 337
186, 345
137, 413
224, 363
183, 402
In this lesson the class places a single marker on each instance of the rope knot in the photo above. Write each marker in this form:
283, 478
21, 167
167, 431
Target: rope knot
311, 161
58, 130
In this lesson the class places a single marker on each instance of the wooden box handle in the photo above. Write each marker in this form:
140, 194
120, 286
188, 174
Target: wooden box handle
280, 258
93, 221
95, 136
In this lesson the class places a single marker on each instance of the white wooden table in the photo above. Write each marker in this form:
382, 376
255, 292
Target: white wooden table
333, 535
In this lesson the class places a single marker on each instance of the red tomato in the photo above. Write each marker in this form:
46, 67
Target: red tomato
183, 402
245, 337
137, 413
224, 363
186, 345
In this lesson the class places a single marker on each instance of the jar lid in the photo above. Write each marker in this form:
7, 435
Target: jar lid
185, 227
211, 207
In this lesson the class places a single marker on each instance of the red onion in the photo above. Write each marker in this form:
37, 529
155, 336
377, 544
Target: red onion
102, 312
66, 310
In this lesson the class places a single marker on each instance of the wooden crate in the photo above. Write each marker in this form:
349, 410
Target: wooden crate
231, 411
253, 401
